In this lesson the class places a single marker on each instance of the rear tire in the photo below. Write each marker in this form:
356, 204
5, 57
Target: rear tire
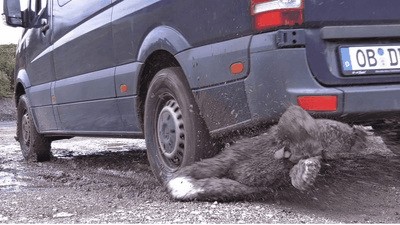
175, 133
35, 147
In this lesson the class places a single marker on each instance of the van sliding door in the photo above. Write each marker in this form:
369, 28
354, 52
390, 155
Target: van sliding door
84, 66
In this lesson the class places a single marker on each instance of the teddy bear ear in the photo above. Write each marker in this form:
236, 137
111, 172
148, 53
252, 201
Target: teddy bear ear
296, 124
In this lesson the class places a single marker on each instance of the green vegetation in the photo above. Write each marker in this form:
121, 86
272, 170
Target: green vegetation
7, 62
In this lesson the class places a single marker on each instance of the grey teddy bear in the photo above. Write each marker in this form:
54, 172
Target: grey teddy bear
290, 151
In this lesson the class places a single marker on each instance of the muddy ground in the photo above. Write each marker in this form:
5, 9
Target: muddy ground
93, 180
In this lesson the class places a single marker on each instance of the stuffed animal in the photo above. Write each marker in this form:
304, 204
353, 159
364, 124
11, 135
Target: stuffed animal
289, 152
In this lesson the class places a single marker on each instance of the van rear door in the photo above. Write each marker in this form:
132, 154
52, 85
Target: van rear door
351, 42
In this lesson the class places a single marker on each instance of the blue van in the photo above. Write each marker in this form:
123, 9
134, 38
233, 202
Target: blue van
187, 75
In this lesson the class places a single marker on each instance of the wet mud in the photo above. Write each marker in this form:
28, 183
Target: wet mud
92, 180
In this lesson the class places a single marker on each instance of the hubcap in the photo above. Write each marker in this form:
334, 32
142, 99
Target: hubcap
26, 128
171, 133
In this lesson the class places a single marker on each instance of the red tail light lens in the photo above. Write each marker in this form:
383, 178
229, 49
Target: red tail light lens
318, 103
270, 14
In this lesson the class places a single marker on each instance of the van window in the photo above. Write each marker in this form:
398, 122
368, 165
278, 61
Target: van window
43, 4
38, 5
33, 6
63, 2
24, 5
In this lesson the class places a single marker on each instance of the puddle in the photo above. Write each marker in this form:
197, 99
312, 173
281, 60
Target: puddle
7, 124
95, 146
9, 182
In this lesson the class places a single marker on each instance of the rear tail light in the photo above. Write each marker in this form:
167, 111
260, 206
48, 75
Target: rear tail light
318, 103
270, 14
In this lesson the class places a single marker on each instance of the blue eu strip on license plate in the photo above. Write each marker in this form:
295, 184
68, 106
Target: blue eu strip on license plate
369, 60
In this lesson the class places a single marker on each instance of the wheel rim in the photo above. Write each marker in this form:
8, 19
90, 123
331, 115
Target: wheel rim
171, 134
26, 128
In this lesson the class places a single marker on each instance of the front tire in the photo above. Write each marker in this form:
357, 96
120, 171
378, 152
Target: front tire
35, 147
175, 133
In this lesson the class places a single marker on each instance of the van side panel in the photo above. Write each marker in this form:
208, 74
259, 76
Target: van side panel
210, 64
127, 101
90, 86
87, 46
85, 66
210, 21
91, 116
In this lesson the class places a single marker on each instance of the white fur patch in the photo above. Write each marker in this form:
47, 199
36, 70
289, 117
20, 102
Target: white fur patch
183, 188
282, 153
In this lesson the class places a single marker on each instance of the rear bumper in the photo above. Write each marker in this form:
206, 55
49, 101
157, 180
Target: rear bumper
271, 88
276, 78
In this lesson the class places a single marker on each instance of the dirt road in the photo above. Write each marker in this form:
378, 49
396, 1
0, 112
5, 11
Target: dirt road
109, 180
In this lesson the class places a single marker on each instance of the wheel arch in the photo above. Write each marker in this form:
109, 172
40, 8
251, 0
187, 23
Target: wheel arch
157, 52
21, 83
157, 61
162, 38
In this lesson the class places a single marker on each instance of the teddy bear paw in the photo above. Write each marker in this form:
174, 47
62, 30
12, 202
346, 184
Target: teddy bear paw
304, 173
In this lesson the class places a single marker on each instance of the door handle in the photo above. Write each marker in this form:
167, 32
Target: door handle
45, 26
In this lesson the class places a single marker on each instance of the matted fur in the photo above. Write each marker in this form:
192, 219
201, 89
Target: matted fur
289, 152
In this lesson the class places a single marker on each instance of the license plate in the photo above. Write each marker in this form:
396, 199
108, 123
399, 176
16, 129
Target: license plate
368, 60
